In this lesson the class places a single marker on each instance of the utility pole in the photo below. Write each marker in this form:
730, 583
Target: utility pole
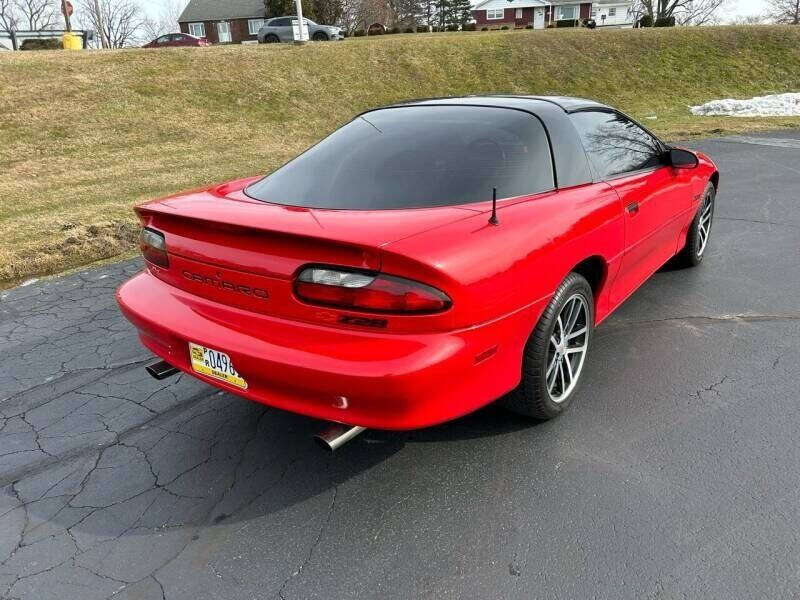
104, 43
65, 10
299, 5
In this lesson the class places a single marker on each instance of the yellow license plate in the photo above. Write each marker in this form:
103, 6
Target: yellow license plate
215, 364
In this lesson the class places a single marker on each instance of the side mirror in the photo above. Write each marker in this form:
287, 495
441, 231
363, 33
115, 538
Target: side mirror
682, 159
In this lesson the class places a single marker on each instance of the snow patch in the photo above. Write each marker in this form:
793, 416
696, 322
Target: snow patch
775, 105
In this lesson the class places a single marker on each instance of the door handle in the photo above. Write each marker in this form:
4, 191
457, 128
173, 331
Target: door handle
632, 208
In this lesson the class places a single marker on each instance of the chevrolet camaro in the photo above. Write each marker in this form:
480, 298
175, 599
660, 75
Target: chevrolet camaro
422, 261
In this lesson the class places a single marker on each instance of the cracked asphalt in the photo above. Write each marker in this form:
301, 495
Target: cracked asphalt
675, 475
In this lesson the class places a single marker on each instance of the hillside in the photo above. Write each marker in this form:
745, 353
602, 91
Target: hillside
85, 136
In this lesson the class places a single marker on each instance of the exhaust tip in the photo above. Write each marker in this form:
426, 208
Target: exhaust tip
337, 436
161, 370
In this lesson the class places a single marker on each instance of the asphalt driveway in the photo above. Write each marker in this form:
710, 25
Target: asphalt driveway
675, 475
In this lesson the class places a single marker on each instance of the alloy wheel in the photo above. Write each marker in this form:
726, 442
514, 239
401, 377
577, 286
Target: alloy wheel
704, 225
567, 348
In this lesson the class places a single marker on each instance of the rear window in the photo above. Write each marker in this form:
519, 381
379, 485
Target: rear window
417, 156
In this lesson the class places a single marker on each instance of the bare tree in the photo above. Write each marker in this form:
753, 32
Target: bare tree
8, 16
123, 21
748, 20
31, 15
165, 22
785, 11
700, 12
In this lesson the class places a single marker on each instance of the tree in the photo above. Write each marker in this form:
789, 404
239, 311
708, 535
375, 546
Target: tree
8, 16
785, 11
123, 21
700, 12
328, 12
459, 13
748, 20
165, 22
279, 8
28, 15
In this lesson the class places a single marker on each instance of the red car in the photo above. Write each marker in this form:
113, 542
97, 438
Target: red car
422, 261
172, 40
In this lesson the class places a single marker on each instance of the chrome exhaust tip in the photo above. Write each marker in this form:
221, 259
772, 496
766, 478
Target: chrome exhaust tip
337, 436
161, 370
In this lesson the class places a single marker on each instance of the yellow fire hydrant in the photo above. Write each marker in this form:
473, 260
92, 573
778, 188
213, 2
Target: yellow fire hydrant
72, 41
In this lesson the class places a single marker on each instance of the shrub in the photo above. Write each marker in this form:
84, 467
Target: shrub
408, 30
665, 22
504, 28
42, 44
646, 21
422, 29
484, 29
528, 26
566, 23
468, 27
452, 28
358, 33
376, 31
394, 30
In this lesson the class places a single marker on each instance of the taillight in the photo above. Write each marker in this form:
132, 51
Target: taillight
154, 247
371, 292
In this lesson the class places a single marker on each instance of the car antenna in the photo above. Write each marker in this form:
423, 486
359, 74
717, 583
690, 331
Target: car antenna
493, 220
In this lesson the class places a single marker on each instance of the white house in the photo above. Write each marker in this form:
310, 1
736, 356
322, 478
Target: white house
612, 13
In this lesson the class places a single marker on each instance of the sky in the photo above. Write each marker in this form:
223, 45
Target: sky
738, 7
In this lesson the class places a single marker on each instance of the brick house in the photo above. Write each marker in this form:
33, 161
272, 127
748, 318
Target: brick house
494, 14
223, 21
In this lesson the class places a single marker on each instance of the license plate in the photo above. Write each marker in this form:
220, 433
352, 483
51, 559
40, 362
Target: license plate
215, 364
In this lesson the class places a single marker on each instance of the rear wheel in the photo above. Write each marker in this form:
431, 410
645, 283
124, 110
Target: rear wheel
699, 231
320, 37
271, 39
555, 353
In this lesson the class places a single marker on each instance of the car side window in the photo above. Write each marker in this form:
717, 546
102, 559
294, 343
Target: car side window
615, 144
279, 23
164, 39
177, 38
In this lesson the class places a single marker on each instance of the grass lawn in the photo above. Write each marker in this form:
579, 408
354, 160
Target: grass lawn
84, 136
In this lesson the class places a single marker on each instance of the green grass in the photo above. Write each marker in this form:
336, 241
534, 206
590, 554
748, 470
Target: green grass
84, 136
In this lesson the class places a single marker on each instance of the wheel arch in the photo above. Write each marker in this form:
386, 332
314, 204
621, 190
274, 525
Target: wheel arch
715, 180
593, 269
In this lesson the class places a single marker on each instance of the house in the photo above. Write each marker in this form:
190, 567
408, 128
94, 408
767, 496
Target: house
495, 14
224, 21
613, 13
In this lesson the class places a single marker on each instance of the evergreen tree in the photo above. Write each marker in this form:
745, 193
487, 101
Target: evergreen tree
459, 12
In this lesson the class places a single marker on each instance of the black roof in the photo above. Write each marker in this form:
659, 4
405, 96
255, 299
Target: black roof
566, 103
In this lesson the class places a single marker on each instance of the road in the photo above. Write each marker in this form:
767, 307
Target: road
675, 474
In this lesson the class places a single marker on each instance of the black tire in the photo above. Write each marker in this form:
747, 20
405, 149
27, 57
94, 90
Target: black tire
271, 38
532, 398
320, 37
694, 250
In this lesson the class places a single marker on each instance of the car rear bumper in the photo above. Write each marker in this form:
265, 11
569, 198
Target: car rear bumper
373, 379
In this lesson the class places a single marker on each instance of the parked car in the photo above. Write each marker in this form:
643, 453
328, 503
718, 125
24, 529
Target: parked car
280, 29
420, 262
177, 39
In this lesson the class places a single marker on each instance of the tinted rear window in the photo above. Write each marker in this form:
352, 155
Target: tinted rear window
418, 156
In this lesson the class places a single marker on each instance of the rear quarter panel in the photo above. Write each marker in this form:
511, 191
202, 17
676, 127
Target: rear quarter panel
491, 271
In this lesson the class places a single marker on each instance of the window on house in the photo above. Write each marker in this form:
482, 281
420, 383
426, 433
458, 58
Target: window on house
518, 13
253, 25
197, 29
494, 13
594, 13
567, 13
612, 12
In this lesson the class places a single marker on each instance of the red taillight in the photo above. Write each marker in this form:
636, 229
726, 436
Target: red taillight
369, 292
154, 247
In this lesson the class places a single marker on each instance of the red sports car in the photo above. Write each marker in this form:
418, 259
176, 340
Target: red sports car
422, 261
